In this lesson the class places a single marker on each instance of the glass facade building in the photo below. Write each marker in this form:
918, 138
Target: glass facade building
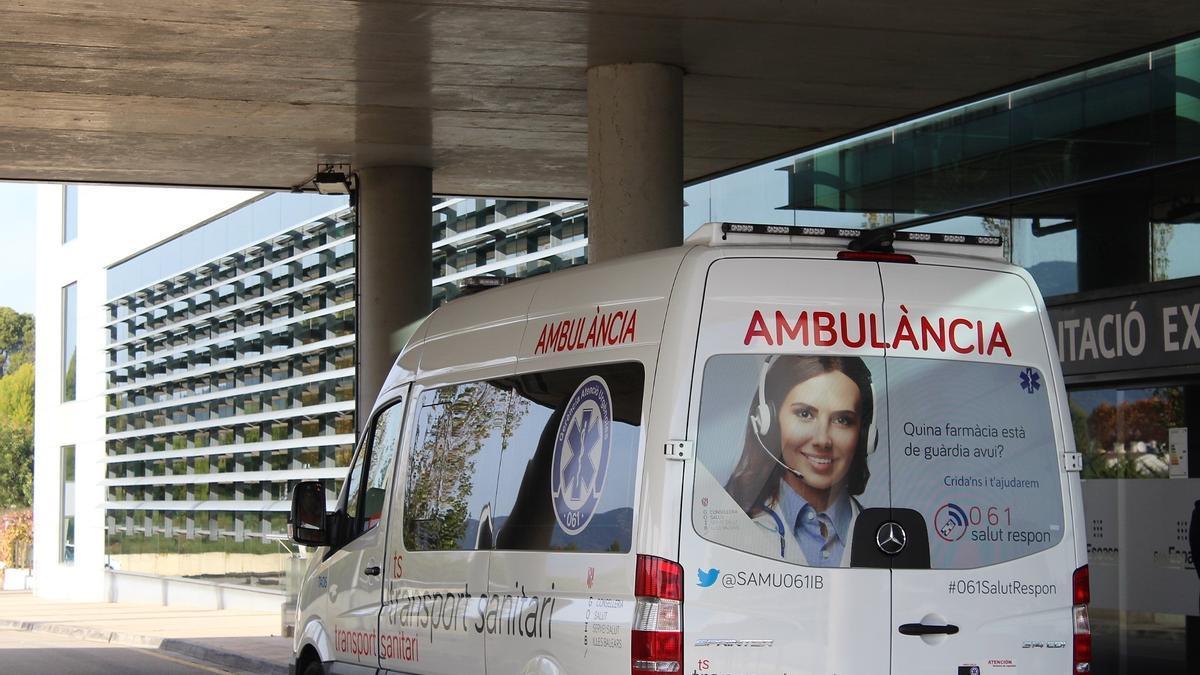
230, 377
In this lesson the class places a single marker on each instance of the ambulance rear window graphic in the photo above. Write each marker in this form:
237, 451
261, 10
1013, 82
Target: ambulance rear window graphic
581, 452
791, 448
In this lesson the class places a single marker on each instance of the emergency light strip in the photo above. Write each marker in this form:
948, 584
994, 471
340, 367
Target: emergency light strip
851, 233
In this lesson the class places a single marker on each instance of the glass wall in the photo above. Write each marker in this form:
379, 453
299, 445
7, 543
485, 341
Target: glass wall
1122, 432
1131, 115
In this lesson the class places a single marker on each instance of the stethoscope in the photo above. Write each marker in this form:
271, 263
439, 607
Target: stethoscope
780, 529
783, 532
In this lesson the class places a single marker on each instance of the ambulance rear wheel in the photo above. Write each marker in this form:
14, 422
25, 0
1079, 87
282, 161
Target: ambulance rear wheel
313, 668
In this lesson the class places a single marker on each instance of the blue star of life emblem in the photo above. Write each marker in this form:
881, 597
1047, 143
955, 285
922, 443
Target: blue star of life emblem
1031, 381
581, 450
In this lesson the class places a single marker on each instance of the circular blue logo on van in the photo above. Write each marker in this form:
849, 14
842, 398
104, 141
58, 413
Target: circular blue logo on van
581, 451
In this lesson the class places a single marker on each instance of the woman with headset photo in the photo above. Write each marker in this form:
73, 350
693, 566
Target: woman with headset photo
804, 458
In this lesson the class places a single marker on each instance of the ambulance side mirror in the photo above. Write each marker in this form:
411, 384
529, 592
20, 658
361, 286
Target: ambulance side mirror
307, 522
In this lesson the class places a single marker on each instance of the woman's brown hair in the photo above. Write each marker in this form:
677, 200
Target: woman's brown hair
755, 479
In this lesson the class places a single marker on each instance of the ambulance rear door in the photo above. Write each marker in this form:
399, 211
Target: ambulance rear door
753, 600
976, 454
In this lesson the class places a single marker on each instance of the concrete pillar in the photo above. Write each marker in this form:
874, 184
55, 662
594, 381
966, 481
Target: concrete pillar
395, 261
635, 158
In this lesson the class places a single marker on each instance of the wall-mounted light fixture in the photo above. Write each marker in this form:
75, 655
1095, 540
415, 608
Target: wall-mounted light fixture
334, 179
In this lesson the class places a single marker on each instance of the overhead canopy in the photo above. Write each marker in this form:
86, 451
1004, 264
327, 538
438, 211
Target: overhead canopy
491, 93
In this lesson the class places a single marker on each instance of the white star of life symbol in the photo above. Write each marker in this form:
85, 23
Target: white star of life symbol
581, 455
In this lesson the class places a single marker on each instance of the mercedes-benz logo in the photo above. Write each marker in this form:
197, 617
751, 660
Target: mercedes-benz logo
890, 538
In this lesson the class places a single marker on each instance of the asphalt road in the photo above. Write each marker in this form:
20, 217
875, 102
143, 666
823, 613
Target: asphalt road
36, 653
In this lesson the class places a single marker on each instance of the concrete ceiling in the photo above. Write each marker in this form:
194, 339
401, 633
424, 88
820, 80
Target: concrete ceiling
491, 93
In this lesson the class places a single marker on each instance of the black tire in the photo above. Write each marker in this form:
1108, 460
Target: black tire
314, 667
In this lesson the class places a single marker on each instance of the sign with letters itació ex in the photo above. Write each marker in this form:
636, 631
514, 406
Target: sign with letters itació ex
1101, 333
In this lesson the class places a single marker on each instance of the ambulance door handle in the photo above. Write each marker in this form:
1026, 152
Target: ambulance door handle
922, 629
373, 571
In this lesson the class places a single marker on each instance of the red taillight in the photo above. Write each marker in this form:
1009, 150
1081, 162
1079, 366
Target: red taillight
1081, 586
1082, 645
657, 617
1083, 653
877, 256
658, 578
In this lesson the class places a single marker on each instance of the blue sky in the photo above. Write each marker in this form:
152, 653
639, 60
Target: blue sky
17, 205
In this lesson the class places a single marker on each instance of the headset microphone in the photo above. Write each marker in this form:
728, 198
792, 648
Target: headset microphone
760, 421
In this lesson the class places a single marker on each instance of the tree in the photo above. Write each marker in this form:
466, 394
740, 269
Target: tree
16, 437
1079, 425
16, 467
16, 397
16, 340
451, 433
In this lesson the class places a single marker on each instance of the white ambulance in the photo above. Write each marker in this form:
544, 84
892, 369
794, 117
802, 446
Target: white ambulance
772, 450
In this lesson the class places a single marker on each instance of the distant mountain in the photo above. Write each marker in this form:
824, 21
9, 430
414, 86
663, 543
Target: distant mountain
1056, 277
607, 531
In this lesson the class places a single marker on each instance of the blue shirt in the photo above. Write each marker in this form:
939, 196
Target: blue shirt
820, 549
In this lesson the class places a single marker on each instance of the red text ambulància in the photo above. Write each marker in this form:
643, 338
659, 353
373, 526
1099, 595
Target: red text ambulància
859, 329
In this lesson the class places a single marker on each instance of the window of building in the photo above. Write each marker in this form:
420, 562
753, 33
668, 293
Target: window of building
70, 318
1123, 432
70, 226
67, 505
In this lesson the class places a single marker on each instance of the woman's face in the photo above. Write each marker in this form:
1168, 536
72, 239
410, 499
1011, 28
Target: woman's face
818, 429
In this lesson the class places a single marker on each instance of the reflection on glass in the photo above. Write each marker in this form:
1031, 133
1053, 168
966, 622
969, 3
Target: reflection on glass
1174, 246
70, 226
70, 319
1047, 249
1122, 433
453, 464
67, 505
1136, 113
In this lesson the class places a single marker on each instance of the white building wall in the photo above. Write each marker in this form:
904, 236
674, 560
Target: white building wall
114, 223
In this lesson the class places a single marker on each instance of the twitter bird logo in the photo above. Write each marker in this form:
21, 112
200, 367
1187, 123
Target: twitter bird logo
706, 578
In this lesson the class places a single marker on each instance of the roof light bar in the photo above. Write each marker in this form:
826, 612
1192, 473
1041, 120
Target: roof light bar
852, 233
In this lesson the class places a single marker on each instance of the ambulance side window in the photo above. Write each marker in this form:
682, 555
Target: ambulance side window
457, 440
364, 501
352, 492
542, 461
385, 441
569, 468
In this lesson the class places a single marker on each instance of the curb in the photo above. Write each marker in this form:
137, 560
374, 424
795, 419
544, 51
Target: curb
219, 657
182, 647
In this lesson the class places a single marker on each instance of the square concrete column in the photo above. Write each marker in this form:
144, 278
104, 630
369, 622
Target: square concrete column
635, 158
395, 263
